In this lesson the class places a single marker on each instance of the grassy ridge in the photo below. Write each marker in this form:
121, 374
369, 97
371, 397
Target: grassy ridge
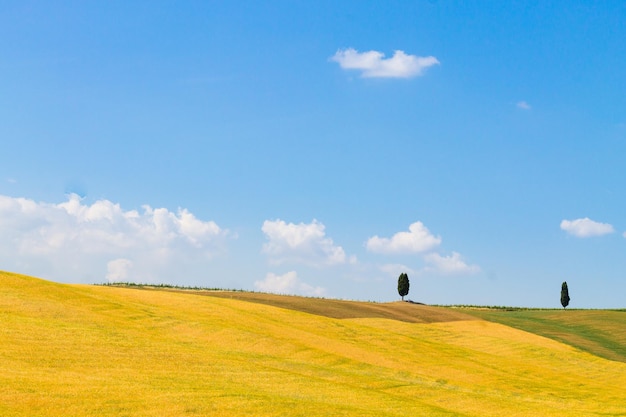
343, 309
101, 351
601, 332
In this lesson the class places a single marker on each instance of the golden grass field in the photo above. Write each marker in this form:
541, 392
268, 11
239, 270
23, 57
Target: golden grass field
78, 350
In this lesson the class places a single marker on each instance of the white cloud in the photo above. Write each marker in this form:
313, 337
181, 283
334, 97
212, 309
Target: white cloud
372, 63
417, 239
118, 270
452, 264
288, 283
301, 243
77, 241
586, 227
523, 105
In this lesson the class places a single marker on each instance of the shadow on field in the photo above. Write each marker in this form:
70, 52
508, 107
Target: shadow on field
342, 309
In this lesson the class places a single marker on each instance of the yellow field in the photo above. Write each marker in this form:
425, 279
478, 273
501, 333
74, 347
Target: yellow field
70, 350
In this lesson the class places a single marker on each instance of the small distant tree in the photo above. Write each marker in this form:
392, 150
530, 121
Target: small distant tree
403, 285
564, 295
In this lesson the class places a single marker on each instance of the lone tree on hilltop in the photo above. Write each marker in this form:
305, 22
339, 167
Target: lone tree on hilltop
564, 295
403, 285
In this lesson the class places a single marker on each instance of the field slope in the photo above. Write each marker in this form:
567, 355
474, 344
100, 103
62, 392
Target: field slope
601, 332
105, 351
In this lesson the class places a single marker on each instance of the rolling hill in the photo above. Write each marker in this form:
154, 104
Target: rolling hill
600, 332
107, 351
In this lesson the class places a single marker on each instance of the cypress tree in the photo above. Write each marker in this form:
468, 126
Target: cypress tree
564, 295
403, 285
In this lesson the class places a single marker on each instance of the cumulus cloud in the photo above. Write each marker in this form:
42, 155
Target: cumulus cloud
453, 264
118, 270
77, 241
301, 243
523, 105
288, 283
372, 64
586, 227
417, 239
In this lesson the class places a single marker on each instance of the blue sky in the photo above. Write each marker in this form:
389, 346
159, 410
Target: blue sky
318, 148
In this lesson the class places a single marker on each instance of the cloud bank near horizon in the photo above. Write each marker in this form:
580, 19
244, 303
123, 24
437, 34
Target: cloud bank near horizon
77, 241
287, 283
84, 242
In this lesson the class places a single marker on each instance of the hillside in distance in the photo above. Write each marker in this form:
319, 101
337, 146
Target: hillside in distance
108, 351
599, 332
344, 309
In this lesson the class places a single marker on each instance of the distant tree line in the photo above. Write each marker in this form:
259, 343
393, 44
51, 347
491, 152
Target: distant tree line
403, 289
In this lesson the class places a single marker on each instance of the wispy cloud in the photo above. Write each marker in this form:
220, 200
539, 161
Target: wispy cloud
453, 264
118, 270
586, 227
417, 239
395, 269
304, 243
91, 242
287, 283
523, 105
372, 64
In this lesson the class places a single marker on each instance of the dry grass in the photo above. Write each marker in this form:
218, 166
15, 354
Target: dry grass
600, 332
342, 309
100, 351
